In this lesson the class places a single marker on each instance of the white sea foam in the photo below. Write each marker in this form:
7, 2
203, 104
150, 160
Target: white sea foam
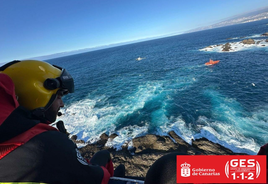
237, 46
232, 129
125, 135
245, 37
241, 145
253, 36
228, 127
88, 122
181, 129
217, 132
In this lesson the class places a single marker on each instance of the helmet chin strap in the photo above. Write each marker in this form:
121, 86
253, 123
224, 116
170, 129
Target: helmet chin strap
40, 113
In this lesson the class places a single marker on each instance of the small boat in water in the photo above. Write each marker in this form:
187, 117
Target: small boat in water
211, 62
139, 58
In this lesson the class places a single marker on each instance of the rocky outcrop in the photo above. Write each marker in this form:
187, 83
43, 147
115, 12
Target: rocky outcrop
103, 139
248, 41
209, 148
147, 149
153, 142
226, 47
235, 46
235, 38
74, 139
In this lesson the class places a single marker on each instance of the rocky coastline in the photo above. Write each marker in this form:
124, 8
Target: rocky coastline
232, 46
147, 149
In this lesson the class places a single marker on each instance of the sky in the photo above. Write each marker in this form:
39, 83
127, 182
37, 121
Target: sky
32, 28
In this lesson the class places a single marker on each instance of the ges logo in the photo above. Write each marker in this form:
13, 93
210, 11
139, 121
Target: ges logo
248, 169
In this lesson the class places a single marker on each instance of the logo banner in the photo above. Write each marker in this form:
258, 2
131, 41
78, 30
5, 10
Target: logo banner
221, 169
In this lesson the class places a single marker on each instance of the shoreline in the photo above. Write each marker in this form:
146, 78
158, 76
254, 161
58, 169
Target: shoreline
147, 149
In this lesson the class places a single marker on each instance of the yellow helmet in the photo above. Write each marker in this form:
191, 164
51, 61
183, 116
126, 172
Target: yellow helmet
37, 82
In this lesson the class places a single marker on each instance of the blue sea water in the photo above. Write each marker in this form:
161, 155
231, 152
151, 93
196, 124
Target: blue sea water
172, 89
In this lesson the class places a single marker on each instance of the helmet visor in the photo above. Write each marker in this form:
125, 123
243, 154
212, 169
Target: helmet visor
66, 81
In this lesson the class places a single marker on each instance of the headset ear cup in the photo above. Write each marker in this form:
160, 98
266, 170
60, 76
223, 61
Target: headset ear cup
51, 84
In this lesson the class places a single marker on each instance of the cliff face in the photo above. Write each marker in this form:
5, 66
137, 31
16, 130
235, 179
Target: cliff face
147, 149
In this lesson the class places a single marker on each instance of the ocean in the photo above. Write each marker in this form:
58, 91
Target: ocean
170, 88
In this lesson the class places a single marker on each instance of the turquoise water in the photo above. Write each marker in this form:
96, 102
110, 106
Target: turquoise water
172, 89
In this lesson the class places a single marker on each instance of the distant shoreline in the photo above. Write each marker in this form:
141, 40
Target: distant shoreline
80, 51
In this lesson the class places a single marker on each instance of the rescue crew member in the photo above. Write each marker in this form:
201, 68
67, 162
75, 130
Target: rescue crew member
30, 149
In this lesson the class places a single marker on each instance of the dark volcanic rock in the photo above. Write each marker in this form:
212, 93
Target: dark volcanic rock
147, 149
210, 148
90, 149
153, 142
103, 139
226, 47
74, 137
265, 34
266, 40
182, 145
248, 41
136, 165
112, 136
178, 139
